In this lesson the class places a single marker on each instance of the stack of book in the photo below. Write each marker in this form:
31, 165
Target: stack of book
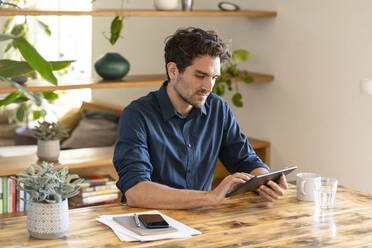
96, 189
11, 198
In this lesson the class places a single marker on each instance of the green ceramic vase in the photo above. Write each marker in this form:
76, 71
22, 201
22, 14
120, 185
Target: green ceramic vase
112, 66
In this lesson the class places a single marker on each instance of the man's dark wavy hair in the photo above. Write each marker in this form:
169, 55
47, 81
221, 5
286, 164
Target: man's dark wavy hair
189, 43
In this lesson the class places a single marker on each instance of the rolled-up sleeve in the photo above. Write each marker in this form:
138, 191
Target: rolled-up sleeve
131, 158
236, 153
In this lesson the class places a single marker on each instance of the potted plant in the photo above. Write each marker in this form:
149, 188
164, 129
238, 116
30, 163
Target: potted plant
48, 136
49, 188
113, 66
230, 73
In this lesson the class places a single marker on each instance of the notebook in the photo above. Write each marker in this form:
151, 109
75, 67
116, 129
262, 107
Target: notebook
129, 223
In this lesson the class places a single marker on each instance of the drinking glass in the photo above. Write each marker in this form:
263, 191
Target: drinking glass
325, 193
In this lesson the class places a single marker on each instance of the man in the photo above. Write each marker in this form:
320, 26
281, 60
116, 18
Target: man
169, 140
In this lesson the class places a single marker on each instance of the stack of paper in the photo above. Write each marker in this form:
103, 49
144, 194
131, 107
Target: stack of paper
127, 235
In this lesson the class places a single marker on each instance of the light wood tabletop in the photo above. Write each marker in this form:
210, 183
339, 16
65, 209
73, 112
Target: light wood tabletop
242, 221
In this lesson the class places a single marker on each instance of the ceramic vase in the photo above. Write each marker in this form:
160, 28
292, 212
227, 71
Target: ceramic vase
166, 4
48, 150
112, 66
48, 221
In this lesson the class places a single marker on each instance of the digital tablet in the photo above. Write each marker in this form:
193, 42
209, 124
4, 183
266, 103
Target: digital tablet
253, 183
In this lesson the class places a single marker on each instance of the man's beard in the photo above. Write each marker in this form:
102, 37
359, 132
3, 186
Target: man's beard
189, 100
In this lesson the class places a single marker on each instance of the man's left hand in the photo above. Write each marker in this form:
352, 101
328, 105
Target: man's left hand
273, 191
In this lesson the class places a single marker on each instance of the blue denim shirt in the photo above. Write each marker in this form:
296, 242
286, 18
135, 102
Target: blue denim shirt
156, 143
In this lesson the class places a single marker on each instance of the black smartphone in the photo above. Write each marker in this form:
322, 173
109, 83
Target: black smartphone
153, 221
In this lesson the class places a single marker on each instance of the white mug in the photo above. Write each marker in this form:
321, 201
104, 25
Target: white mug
306, 183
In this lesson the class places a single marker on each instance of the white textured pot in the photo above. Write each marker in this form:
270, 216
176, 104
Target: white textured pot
166, 4
48, 150
48, 221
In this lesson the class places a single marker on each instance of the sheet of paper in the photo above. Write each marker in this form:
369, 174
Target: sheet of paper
127, 235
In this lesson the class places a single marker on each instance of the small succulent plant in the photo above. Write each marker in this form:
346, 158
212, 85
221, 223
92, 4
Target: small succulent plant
50, 131
48, 184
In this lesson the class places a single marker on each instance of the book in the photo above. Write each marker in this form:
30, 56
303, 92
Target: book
79, 201
17, 199
99, 192
94, 180
10, 196
5, 195
129, 223
108, 185
1, 195
27, 198
21, 199
14, 195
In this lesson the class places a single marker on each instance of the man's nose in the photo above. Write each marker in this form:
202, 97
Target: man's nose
208, 84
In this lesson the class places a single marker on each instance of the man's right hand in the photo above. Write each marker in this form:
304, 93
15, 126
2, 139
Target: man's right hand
218, 195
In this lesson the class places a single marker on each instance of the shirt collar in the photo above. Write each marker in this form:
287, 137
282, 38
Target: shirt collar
166, 107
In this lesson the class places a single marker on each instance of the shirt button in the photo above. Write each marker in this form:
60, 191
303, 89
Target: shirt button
189, 145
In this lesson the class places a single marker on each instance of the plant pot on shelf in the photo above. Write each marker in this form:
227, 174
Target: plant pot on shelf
48, 221
166, 4
48, 150
112, 66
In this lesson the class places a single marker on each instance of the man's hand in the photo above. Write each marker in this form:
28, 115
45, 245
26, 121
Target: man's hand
218, 195
275, 191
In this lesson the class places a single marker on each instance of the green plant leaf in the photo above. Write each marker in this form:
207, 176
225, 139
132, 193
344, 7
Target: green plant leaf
36, 115
6, 37
36, 61
237, 100
116, 27
6, 25
33, 96
20, 114
18, 29
233, 70
240, 55
248, 78
50, 95
31, 74
12, 68
8, 46
59, 65
229, 84
9, 99
219, 89
44, 27
20, 99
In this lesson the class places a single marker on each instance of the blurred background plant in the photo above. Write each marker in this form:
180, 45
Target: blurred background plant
50, 131
231, 73
116, 27
26, 107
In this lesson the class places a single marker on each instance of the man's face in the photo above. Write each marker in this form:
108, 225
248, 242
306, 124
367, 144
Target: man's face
195, 84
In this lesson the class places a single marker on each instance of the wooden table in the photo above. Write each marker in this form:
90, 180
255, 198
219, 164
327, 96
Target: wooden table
239, 222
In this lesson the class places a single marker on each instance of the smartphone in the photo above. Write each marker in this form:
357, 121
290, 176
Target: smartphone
153, 221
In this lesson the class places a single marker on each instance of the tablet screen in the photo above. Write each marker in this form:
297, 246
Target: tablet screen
253, 183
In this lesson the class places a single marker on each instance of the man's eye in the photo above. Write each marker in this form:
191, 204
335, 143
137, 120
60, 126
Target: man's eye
199, 76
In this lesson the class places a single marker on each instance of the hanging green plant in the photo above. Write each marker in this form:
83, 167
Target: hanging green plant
231, 73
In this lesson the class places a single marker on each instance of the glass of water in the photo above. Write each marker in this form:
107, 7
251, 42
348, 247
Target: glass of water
325, 193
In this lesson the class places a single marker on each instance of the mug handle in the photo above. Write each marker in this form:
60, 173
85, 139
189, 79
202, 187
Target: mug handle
303, 187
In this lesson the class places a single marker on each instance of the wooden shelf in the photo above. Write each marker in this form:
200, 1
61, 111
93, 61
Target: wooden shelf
75, 158
80, 158
141, 13
129, 81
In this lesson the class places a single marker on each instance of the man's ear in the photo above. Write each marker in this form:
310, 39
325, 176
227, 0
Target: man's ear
172, 70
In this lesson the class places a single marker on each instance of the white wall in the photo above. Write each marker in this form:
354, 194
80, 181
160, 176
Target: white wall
313, 113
